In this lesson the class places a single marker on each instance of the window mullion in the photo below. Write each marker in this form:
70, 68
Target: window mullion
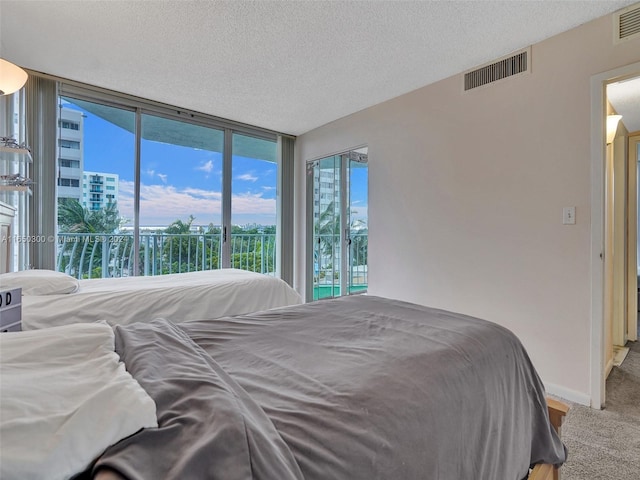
136, 195
344, 224
226, 199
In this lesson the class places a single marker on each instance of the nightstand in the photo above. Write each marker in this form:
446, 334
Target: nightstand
11, 310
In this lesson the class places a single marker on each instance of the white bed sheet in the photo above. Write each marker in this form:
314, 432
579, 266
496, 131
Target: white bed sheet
177, 297
65, 397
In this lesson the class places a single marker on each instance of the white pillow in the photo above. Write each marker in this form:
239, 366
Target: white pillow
39, 282
65, 397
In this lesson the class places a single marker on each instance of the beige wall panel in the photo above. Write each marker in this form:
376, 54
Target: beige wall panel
467, 191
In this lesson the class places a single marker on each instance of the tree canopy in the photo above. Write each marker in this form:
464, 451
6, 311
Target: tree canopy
74, 218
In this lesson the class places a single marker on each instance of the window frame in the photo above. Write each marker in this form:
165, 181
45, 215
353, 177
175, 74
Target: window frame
140, 106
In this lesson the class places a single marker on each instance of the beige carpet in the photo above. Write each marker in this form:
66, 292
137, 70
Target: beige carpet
605, 444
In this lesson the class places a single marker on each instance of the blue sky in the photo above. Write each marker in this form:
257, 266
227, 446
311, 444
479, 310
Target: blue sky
178, 181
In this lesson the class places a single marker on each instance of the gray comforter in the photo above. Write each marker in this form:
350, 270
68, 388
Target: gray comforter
355, 388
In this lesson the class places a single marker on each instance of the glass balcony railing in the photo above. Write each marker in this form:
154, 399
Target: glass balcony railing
87, 255
328, 269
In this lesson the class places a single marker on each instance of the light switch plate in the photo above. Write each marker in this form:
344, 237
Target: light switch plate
569, 216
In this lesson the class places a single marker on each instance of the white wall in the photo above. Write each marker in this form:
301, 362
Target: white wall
466, 196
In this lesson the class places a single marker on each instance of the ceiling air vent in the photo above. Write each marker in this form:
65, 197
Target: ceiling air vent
626, 24
504, 68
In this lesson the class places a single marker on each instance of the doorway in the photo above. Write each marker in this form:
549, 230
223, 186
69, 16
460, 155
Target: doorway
621, 202
338, 228
614, 223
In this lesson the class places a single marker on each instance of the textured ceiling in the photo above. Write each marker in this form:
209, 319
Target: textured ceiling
288, 66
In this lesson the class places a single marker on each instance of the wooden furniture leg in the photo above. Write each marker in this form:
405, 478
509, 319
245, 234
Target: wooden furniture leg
557, 411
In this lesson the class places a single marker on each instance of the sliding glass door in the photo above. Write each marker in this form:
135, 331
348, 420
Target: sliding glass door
95, 178
180, 196
254, 174
358, 225
338, 200
326, 227
144, 191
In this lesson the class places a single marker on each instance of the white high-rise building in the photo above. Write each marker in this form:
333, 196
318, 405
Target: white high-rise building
70, 154
99, 189
94, 190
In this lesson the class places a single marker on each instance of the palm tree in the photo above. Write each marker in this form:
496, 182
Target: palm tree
180, 252
327, 227
359, 242
327, 232
74, 218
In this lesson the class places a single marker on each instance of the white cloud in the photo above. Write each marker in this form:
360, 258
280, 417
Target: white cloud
360, 212
206, 167
250, 203
199, 193
163, 204
247, 177
153, 174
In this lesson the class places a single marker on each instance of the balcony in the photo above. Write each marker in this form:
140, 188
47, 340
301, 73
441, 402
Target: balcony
327, 258
87, 255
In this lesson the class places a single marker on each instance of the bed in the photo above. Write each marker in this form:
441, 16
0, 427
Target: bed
54, 298
358, 387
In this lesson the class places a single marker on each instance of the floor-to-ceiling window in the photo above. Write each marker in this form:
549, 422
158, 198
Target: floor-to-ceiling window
337, 212
180, 196
254, 175
150, 190
95, 174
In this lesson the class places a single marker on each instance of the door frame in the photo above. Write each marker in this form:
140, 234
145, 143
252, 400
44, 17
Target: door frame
598, 157
633, 147
345, 189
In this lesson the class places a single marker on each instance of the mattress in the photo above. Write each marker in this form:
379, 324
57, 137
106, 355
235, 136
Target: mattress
178, 297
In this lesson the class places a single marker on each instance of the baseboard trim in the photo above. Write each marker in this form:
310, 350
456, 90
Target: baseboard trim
608, 368
568, 394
